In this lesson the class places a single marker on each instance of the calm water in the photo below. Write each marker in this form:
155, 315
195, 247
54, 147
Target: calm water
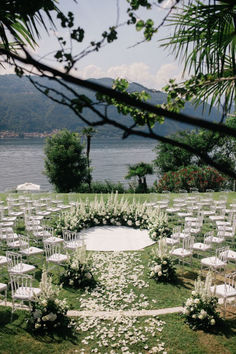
22, 160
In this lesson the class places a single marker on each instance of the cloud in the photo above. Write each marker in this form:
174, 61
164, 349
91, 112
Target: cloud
136, 72
166, 72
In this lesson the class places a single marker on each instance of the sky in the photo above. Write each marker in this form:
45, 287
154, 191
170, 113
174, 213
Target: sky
147, 63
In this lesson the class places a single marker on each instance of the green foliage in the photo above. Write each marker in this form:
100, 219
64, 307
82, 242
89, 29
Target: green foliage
65, 162
204, 39
21, 19
140, 170
140, 117
202, 178
220, 148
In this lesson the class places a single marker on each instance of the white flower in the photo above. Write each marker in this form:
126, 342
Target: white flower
196, 301
44, 302
164, 262
159, 274
189, 301
212, 322
52, 317
129, 222
37, 325
203, 313
37, 314
71, 282
157, 268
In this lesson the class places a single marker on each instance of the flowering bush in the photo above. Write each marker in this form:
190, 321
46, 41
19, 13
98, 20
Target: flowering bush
48, 313
200, 309
191, 177
77, 272
162, 266
112, 212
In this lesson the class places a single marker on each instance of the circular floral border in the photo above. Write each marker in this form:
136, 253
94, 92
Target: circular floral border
116, 212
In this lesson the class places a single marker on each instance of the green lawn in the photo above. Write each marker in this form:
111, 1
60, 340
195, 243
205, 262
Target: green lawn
123, 282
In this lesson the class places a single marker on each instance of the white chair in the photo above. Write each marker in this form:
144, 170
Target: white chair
22, 290
40, 234
26, 249
210, 238
227, 290
229, 255
72, 240
3, 261
186, 251
53, 253
174, 238
217, 262
200, 247
51, 238
3, 288
13, 242
32, 224
15, 264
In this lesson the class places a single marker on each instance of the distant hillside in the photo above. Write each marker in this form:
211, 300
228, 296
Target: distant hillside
24, 109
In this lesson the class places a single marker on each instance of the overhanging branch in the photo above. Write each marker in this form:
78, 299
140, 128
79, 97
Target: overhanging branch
121, 97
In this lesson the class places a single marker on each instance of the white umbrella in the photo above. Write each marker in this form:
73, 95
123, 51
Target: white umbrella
28, 187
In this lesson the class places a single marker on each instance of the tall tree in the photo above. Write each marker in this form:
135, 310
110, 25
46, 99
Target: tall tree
88, 132
65, 162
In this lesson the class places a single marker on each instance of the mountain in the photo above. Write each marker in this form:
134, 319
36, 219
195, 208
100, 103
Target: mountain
24, 109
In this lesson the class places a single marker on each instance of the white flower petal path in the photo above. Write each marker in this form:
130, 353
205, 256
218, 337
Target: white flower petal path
117, 279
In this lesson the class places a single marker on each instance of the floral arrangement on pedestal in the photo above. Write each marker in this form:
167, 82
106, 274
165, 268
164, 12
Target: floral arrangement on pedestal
48, 314
77, 272
162, 266
112, 211
200, 310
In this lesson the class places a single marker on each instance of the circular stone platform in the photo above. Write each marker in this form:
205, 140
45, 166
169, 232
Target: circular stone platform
115, 238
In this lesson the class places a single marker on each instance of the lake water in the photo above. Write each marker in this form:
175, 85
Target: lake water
22, 160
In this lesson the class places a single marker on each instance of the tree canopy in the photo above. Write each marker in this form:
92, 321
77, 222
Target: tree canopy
65, 162
220, 148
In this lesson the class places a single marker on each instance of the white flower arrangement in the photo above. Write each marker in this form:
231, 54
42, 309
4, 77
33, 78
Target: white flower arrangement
49, 313
113, 211
77, 272
200, 309
162, 266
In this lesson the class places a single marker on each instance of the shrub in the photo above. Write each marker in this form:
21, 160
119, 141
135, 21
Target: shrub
191, 177
200, 309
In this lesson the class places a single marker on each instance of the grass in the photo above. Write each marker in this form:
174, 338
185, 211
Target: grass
175, 334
